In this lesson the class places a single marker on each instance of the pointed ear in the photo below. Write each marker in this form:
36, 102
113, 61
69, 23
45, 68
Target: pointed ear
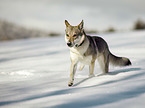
81, 25
66, 23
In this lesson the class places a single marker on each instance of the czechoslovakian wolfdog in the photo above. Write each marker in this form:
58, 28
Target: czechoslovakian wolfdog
86, 49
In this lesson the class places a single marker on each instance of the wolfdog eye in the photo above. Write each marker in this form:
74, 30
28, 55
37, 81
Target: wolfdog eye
67, 35
74, 35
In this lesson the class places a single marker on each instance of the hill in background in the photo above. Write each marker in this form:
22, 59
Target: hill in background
11, 31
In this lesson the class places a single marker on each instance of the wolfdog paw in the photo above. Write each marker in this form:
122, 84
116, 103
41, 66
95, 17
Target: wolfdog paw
70, 84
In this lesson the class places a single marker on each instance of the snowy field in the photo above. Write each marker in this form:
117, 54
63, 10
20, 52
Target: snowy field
34, 74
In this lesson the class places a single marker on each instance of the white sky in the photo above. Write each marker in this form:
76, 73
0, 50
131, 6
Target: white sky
50, 14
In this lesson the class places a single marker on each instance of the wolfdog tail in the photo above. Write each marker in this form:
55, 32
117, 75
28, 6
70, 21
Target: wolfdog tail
119, 61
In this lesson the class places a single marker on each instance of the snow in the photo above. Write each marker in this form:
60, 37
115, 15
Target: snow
34, 74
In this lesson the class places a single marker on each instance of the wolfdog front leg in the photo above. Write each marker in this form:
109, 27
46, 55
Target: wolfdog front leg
72, 73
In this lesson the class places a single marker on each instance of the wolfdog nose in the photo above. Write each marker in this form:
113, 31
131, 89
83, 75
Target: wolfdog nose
69, 43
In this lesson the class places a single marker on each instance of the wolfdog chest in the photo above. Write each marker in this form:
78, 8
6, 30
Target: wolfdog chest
79, 56
85, 60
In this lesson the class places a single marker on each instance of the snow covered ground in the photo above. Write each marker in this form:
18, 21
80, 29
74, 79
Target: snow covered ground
34, 74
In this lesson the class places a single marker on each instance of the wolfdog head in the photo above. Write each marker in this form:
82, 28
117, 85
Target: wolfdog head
74, 36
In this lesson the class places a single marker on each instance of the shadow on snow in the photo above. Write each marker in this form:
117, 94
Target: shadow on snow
94, 101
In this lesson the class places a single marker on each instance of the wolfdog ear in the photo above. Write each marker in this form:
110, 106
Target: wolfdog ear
80, 26
66, 23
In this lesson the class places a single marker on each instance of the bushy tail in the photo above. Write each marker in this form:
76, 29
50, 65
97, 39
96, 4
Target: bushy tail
119, 61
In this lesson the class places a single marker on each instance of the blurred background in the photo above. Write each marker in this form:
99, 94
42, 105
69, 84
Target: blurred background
41, 18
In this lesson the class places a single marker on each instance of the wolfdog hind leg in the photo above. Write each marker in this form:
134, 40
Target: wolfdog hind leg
103, 64
106, 60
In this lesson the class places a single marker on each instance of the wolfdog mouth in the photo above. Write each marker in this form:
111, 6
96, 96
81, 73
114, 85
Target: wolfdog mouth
76, 45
